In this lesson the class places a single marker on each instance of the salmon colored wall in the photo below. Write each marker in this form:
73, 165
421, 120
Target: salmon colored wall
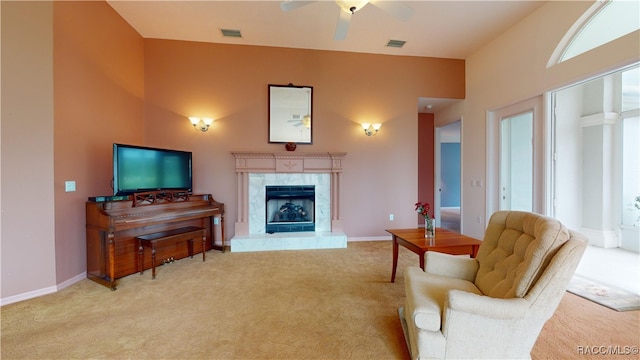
110, 85
426, 161
26, 236
230, 83
99, 100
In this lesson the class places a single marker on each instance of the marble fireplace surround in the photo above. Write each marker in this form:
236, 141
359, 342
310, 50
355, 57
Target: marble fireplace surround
256, 170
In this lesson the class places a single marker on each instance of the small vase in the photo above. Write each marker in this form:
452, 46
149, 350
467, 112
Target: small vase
290, 146
429, 229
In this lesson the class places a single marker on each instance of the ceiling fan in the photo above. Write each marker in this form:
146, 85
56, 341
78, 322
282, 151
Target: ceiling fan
349, 8
300, 120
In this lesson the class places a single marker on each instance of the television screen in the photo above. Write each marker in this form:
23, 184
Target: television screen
138, 169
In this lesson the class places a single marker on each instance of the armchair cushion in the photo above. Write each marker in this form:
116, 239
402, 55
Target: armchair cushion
454, 266
516, 248
426, 296
487, 307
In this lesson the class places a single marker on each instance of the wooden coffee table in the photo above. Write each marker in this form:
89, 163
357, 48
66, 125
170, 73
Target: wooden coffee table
445, 241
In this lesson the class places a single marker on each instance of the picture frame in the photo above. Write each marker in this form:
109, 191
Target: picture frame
290, 114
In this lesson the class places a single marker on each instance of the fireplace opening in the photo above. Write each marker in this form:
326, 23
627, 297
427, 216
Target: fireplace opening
290, 208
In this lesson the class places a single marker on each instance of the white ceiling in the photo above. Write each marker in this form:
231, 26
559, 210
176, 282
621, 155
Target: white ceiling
444, 29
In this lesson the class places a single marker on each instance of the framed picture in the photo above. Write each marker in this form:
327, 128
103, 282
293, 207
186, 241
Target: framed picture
290, 114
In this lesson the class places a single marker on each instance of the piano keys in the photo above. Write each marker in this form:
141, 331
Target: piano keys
112, 227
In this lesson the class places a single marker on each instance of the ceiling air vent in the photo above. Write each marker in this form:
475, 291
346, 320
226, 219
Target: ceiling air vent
396, 43
231, 33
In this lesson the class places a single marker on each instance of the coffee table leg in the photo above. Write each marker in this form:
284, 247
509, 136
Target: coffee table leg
395, 258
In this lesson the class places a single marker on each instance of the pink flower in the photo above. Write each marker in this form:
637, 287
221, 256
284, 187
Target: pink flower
423, 209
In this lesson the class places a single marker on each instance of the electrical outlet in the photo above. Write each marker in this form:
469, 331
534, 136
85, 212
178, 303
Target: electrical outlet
390, 217
478, 219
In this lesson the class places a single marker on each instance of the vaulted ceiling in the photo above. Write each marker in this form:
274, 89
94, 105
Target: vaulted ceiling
445, 29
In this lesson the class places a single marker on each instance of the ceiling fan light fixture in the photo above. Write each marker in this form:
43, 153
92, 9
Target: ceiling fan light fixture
351, 6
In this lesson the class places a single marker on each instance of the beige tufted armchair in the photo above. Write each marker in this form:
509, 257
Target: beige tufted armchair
493, 306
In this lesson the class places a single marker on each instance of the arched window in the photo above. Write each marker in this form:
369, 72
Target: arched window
603, 22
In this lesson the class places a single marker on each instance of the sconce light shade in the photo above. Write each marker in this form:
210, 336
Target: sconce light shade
201, 124
371, 129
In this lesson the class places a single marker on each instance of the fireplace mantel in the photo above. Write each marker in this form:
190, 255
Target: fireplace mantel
277, 162
286, 166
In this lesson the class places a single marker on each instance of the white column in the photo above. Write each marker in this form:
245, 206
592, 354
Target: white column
598, 219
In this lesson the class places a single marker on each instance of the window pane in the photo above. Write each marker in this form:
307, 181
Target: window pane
613, 21
516, 168
630, 170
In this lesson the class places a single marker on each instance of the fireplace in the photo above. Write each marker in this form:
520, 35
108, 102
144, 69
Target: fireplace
290, 208
260, 216
286, 171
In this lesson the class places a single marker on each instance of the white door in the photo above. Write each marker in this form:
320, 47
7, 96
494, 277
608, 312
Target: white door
515, 152
516, 162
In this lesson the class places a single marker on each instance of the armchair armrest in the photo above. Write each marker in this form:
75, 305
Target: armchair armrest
454, 266
486, 306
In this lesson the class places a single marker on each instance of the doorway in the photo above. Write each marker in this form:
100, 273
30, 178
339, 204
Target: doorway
516, 162
448, 176
515, 158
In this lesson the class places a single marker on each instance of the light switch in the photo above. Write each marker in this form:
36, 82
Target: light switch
69, 186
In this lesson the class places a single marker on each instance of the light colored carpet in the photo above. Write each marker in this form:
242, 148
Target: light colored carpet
605, 295
311, 304
315, 304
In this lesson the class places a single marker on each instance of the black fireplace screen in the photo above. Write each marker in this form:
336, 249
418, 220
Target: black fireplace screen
290, 208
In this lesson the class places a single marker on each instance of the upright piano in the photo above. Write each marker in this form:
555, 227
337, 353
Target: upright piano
113, 225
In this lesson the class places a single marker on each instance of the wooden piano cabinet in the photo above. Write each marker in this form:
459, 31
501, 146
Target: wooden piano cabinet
112, 228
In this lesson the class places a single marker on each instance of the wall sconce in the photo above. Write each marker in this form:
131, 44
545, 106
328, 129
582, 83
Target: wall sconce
371, 129
201, 124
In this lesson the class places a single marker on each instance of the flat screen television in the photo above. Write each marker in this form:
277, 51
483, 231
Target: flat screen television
140, 169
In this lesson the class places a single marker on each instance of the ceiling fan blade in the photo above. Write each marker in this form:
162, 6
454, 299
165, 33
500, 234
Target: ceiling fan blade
289, 5
400, 11
342, 26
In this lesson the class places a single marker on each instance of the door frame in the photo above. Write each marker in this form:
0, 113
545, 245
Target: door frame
437, 196
540, 153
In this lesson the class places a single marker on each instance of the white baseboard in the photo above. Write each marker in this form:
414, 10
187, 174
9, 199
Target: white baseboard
44, 291
72, 281
369, 238
601, 238
27, 295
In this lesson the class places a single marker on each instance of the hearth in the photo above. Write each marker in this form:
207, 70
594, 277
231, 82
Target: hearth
290, 208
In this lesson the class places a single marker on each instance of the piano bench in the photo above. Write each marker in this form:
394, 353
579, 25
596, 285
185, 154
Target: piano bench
170, 236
